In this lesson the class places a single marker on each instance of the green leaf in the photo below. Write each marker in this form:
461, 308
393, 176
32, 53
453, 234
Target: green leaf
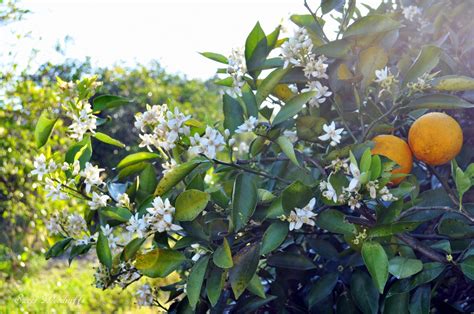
215, 56
455, 228
371, 59
77, 250
462, 181
131, 249
159, 262
396, 304
272, 40
173, 177
420, 301
287, 148
245, 265
233, 113
228, 82
222, 257
426, 61
438, 101
329, 5
292, 107
376, 167
195, 281
467, 267
335, 49
136, 158
366, 161
103, 250
44, 128
250, 101
255, 286
108, 140
371, 24
81, 151
322, 288
402, 267
430, 272
453, 83
296, 195
244, 199
108, 101
190, 204
314, 27
334, 221
255, 48
147, 180
274, 236
364, 293
215, 284
269, 83
393, 228
116, 213
290, 261
58, 248
376, 261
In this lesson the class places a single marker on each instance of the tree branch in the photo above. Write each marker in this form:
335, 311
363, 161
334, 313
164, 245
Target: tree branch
424, 250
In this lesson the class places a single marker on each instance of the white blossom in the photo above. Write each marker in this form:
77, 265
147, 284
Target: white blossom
329, 192
248, 126
291, 135
411, 12
169, 165
386, 195
385, 78
321, 92
209, 144
372, 187
297, 49
123, 200
300, 216
137, 225
160, 217
316, 68
40, 167
98, 201
332, 134
53, 226
199, 251
144, 295
91, 175
236, 69
355, 181
76, 224
83, 122
53, 190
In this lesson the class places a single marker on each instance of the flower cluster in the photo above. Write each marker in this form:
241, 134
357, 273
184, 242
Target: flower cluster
411, 12
165, 127
82, 122
236, 69
144, 295
422, 83
331, 134
385, 78
300, 216
297, 51
209, 144
67, 224
159, 218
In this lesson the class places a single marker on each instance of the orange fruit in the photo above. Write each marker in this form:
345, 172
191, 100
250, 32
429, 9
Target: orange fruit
435, 138
397, 150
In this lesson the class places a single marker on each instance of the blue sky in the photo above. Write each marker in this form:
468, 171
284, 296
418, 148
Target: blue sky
171, 31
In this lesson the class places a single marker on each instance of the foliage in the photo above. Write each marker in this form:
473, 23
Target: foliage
305, 219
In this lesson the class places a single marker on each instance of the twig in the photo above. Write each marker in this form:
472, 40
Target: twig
359, 221
317, 165
376, 121
444, 184
315, 18
412, 210
249, 170
424, 250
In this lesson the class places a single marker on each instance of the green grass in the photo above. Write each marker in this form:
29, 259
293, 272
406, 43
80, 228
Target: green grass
53, 287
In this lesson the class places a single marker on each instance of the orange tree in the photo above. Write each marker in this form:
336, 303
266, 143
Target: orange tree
288, 205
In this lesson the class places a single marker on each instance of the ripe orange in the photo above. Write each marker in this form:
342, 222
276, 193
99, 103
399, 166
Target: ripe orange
435, 138
397, 150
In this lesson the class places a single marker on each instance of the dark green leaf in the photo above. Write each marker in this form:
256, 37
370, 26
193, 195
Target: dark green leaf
335, 49
396, 304
274, 236
233, 113
215, 284
195, 281
371, 24
269, 83
245, 265
287, 148
420, 301
426, 61
393, 228
467, 267
255, 48
159, 262
58, 248
173, 177
255, 286
334, 221
296, 195
322, 288
103, 250
438, 101
290, 261
131, 249
365, 293
244, 199
222, 257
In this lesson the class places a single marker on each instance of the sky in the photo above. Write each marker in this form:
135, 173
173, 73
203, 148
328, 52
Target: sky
170, 31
